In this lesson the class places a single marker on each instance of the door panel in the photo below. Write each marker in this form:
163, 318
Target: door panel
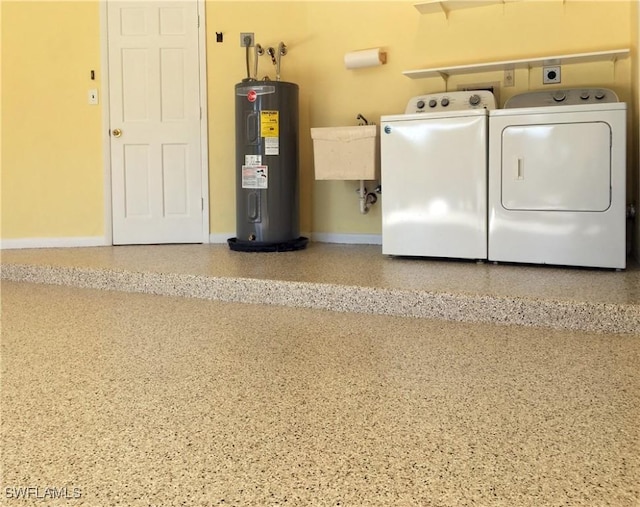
557, 167
172, 62
154, 87
175, 161
135, 85
136, 178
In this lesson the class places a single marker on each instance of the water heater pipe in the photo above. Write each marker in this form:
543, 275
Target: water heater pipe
259, 51
282, 50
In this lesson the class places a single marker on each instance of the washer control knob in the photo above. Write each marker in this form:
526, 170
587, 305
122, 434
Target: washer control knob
420, 104
444, 102
599, 95
474, 100
433, 103
559, 96
584, 95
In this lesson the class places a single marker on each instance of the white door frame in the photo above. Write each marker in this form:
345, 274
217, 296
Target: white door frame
106, 121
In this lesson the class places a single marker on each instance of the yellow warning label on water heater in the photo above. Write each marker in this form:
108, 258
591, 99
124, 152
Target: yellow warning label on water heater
269, 123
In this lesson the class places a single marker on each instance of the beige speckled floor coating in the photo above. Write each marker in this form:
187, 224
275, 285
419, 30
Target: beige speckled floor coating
354, 265
351, 278
137, 400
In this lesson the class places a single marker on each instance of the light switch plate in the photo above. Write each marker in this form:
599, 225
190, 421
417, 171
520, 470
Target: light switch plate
93, 96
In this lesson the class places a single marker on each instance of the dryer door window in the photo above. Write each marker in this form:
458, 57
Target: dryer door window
557, 167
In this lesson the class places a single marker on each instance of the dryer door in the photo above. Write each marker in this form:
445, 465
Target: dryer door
556, 167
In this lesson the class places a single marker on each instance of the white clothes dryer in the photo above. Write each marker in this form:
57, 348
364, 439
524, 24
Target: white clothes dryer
557, 175
434, 176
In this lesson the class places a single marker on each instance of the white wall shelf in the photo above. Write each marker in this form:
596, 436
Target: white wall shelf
526, 63
446, 6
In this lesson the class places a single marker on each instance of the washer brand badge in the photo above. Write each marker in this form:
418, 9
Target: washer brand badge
252, 95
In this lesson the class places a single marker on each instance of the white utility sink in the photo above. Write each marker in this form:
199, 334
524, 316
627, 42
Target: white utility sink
346, 153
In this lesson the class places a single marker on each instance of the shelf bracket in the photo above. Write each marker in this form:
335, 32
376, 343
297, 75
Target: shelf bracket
445, 78
614, 65
444, 10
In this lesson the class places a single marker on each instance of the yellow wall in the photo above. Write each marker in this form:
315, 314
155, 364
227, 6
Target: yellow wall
225, 67
52, 156
319, 33
52, 173
634, 137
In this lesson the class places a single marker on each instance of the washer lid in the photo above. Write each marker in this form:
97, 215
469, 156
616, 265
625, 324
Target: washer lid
436, 116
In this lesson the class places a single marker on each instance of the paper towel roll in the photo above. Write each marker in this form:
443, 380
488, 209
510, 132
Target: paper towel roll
364, 58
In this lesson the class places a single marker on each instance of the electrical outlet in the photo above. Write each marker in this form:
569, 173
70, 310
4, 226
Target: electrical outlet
551, 75
509, 78
246, 40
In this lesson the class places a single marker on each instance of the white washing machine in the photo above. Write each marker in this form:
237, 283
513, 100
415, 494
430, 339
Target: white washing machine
557, 172
434, 176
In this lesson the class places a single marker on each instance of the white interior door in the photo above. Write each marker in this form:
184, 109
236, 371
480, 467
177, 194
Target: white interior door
155, 115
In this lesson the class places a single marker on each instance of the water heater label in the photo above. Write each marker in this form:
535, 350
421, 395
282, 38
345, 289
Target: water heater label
271, 146
255, 176
253, 160
269, 124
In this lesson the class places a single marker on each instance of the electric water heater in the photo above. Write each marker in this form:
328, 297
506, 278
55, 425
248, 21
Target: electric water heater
267, 194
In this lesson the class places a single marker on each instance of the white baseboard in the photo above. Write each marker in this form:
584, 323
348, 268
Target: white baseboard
318, 237
221, 237
72, 242
349, 239
75, 242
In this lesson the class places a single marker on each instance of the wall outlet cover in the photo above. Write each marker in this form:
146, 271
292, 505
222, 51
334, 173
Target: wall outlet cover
551, 75
509, 77
247, 39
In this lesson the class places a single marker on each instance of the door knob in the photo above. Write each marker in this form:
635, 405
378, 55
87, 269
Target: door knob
116, 132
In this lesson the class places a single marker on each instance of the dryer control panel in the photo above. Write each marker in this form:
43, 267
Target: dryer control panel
451, 101
562, 97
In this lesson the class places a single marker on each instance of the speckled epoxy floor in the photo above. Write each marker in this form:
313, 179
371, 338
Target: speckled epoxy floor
138, 400
352, 265
350, 278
